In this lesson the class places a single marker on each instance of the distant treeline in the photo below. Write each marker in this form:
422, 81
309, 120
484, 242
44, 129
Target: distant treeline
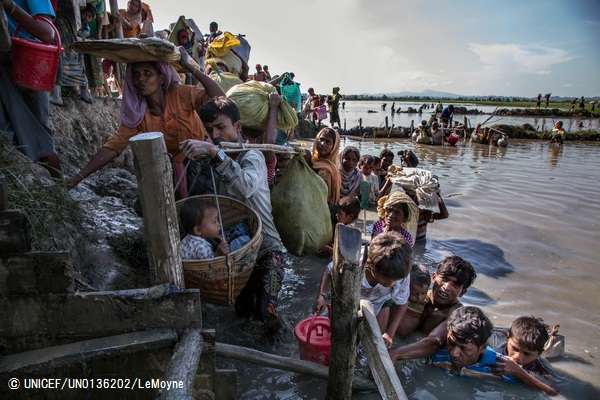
431, 99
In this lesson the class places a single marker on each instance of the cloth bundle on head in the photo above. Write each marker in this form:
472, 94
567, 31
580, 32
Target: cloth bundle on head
224, 42
133, 106
399, 197
420, 183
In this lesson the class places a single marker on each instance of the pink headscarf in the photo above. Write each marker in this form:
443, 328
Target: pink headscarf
133, 106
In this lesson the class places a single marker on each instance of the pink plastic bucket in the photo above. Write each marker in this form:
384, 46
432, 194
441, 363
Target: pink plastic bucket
453, 139
314, 338
34, 64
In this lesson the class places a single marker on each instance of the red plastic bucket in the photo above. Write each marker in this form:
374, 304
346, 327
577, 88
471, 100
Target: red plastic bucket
314, 338
34, 64
453, 139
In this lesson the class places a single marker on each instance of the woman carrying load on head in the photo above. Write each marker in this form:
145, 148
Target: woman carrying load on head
397, 212
558, 133
324, 161
154, 101
24, 113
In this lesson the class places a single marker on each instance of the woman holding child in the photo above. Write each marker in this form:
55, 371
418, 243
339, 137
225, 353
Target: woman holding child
154, 101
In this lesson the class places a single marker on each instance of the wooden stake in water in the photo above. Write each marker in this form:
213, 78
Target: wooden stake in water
365, 190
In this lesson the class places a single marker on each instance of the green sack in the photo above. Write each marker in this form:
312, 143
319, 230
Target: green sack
300, 209
252, 99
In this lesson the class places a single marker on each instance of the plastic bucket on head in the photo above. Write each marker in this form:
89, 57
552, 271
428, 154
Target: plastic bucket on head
314, 338
34, 64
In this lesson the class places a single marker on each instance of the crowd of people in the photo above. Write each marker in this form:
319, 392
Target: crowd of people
196, 119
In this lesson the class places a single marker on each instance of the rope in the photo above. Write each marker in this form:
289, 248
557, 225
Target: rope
212, 175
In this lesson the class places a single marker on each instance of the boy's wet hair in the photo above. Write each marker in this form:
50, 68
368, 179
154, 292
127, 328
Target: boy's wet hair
391, 255
192, 213
349, 205
219, 106
376, 160
456, 267
470, 325
419, 276
530, 331
366, 160
350, 149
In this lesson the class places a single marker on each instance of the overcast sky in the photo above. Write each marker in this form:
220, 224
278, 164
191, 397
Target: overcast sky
467, 47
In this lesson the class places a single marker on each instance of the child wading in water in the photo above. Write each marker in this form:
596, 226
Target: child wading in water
201, 222
385, 282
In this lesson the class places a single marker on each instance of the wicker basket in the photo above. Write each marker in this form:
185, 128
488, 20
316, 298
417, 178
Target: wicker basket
221, 279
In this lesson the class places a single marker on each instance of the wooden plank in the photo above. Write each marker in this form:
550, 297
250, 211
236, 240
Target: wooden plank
14, 235
226, 384
208, 361
36, 273
345, 289
29, 322
381, 364
183, 366
245, 354
161, 227
50, 358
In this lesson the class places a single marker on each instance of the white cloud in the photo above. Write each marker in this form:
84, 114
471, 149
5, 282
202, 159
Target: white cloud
520, 58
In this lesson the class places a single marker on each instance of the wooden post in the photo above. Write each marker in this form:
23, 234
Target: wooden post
183, 366
3, 194
412, 126
161, 226
360, 125
345, 289
465, 129
386, 123
377, 354
114, 9
344, 124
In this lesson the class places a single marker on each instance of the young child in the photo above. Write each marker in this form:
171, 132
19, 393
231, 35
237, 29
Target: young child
384, 283
347, 211
350, 174
366, 164
419, 286
526, 339
201, 222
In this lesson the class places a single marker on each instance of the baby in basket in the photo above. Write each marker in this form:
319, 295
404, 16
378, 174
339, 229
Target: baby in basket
201, 223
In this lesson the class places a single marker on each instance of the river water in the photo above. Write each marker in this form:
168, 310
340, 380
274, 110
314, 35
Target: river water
359, 109
525, 216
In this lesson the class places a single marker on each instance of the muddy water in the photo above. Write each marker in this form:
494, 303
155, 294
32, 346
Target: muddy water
526, 217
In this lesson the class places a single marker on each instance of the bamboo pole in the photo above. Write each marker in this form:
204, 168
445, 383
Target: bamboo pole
114, 9
285, 363
161, 226
231, 147
345, 289
382, 367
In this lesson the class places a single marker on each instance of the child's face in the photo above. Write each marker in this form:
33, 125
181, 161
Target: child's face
210, 228
349, 161
133, 6
522, 354
343, 217
366, 169
387, 161
324, 144
86, 17
418, 294
223, 129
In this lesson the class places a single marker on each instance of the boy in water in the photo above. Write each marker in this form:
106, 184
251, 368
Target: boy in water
243, 176
385, 282
451, 281
526, 340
